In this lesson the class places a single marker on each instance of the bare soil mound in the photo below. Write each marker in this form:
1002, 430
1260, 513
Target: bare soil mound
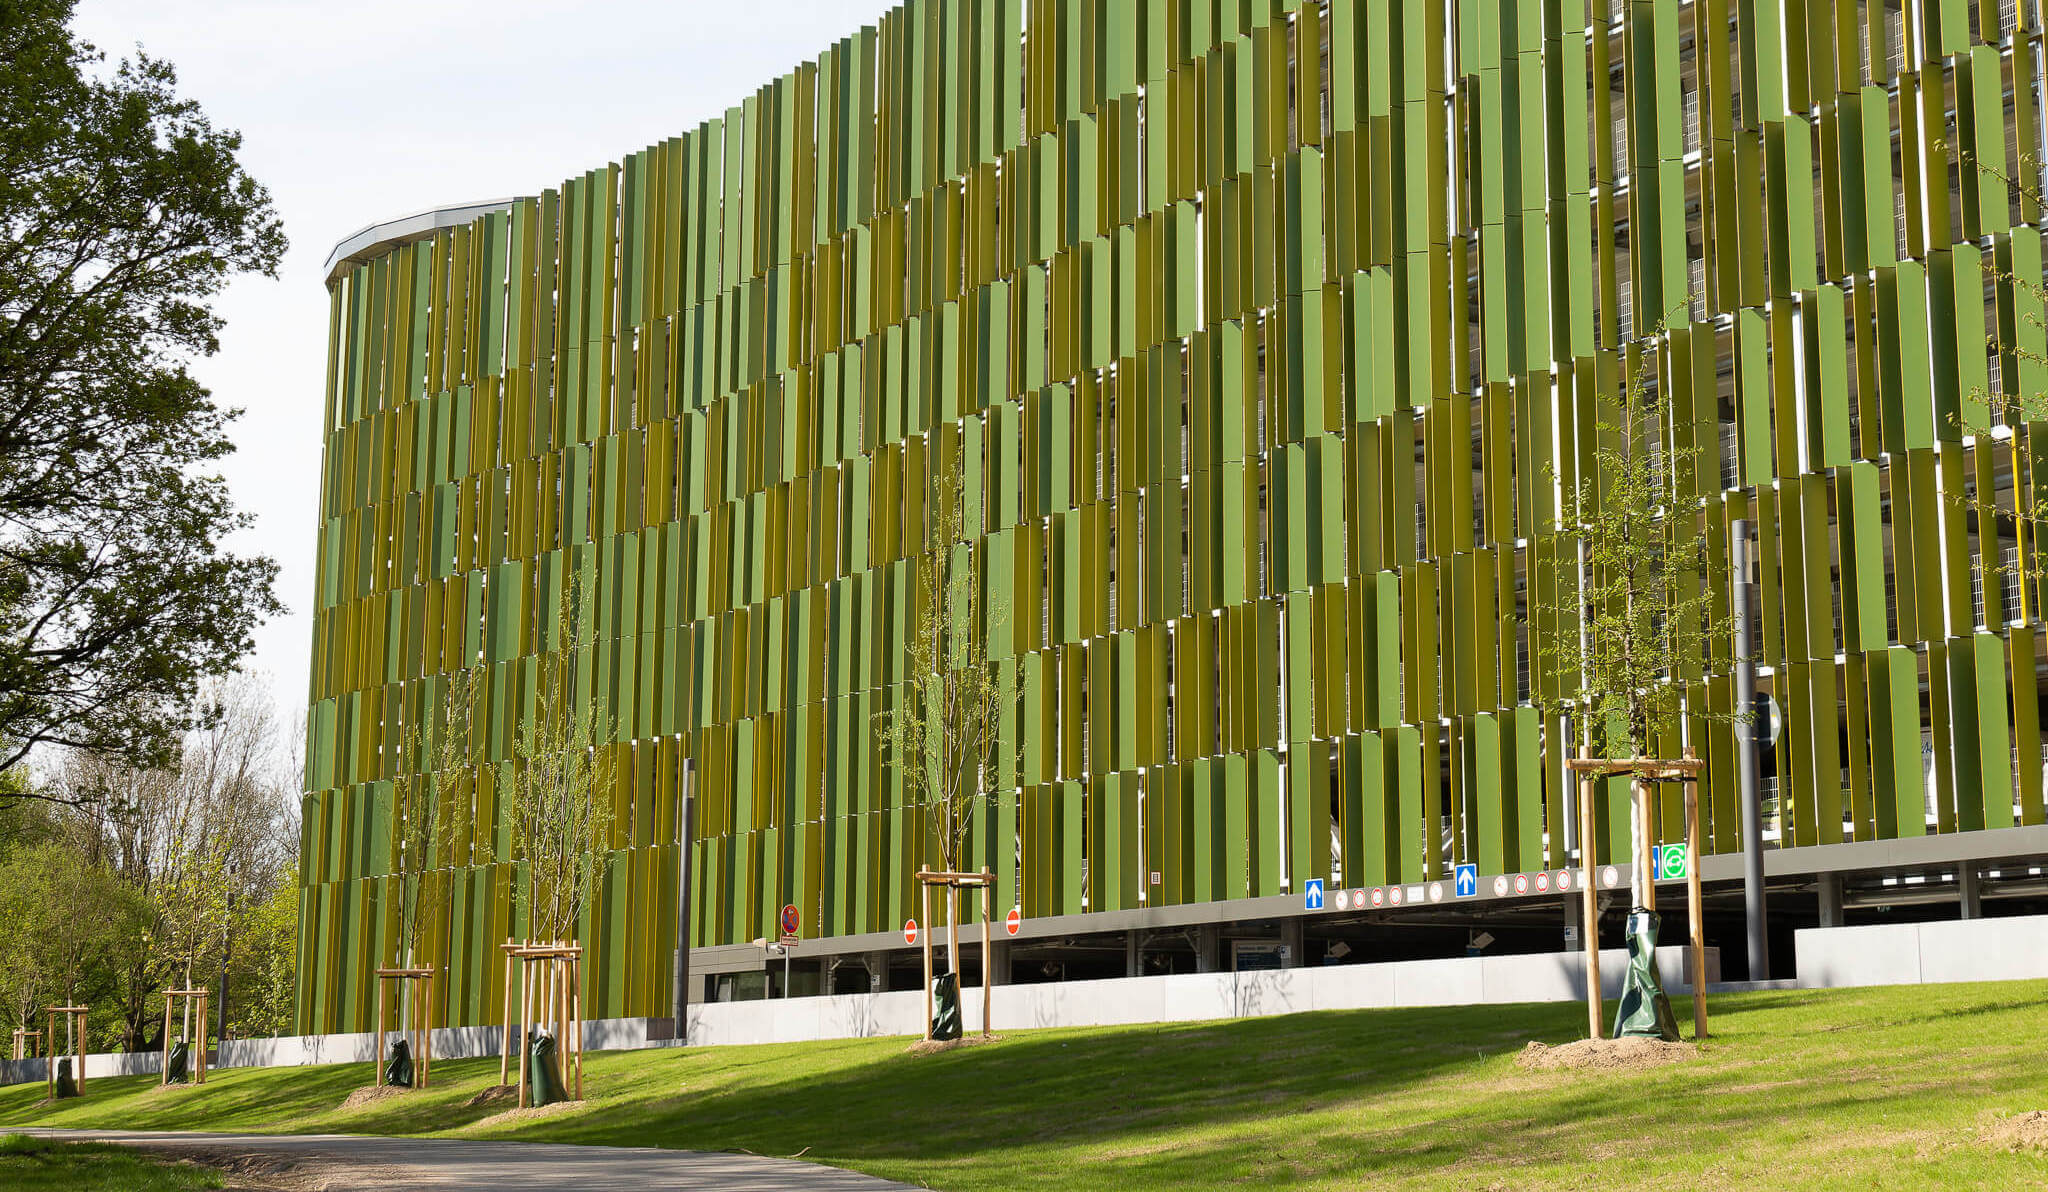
935, 1046
497, 1094
2021, 1131
1605, 1055
528, 1114
160, 1089
370, 1094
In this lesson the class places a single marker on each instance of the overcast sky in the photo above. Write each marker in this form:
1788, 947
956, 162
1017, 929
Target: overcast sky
358, 111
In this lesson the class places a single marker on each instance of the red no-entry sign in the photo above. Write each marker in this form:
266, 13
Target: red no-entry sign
910, 931
1014, 921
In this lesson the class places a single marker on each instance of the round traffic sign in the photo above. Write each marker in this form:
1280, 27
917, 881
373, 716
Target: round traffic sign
1500, 886
1394, 895
791, 918
1521, 883
1610, 877
1543, 881
1343, 900
1564, 879
910, 931
1436, 891
1379, 895
1014, 921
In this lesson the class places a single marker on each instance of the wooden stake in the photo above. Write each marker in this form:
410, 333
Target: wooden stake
166, 1069
505, 1039
925, 891
82, 1015
987, 956
1694, 905
525, 1021
1589, 852
576, 1017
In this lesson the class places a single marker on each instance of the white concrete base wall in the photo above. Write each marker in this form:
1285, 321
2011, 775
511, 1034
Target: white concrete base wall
2013, 949
97, 1064
1189, 997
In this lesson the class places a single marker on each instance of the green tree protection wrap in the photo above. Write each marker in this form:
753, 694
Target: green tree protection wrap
398, 1069
1645, 1010
945, 1006
180, 1063
543, 1074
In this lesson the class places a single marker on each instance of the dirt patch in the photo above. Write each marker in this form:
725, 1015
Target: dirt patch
2020, 1132
243, 1171
530, 1113
157, 1090
935, 1046
1605, 1055
497, 1094
370, 1094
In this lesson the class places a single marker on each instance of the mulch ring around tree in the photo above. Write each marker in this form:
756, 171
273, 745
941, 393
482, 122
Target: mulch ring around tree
1605, 1055
370, 1094
935, 1046
2021, 1132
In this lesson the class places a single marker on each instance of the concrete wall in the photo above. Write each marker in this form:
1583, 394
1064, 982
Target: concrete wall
1923, 953
97, 1064
1187, 997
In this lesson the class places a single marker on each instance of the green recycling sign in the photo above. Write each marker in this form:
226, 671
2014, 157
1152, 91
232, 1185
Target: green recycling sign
1671, 862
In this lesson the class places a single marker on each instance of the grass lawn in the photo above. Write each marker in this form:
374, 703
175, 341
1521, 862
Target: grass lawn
33, 1164
1876, 1088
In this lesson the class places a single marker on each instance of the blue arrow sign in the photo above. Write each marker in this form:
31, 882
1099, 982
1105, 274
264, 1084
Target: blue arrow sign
1312, 894
1467, 877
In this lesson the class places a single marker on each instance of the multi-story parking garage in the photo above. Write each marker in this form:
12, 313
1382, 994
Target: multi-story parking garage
1268, 333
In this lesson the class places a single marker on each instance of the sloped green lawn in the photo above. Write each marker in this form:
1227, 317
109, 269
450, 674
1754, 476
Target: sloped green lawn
1879, 1088
38, 1165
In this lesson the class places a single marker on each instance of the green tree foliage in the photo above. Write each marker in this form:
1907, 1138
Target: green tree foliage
562, 778
1631, 578
123, 212
263, 975
424, 803
940, 734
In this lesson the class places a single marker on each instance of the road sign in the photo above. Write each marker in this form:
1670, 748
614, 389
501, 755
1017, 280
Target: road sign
1521, 883
1343, 900
1394, 895
791, 918
910, 931
1466, 880
1413, 893
1014, 921
1670, 862
1436, 891
1610, 877
1564, 880
1312, 894
1543, 881
1500, 886
1379, 895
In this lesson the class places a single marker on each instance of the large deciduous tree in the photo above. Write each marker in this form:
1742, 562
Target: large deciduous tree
123, 212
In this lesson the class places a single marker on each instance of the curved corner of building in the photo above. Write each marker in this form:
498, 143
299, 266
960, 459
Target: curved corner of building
379, 238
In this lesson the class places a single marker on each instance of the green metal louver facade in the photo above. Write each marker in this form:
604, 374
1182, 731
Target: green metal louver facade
1264, 331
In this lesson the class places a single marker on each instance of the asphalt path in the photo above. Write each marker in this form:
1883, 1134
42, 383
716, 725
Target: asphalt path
352, 1162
